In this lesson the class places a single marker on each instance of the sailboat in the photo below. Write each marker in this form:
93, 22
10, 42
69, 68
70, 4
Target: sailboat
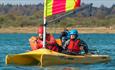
46, 57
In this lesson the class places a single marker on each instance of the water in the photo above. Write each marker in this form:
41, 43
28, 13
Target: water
18, 43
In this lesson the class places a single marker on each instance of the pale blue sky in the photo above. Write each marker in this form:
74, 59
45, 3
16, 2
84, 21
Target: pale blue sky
97, 3
21, 1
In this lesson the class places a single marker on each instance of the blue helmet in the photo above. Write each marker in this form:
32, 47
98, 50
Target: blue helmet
73, 31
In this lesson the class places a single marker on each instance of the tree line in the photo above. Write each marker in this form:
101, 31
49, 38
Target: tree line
32, 15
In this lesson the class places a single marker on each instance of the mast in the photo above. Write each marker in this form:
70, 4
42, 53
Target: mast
44, 24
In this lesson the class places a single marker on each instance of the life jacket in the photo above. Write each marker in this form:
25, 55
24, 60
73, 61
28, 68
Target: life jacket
34, 43
74, 46
52, 44
53, 48
39, 43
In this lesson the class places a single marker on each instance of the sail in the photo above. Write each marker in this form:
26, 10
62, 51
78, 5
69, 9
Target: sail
52, 7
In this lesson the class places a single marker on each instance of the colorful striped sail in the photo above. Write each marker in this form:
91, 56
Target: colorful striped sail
52, 7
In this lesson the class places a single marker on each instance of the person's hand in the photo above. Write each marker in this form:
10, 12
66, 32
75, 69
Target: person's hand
32, 39
81, 48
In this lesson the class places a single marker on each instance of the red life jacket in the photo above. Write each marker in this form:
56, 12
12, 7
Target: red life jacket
52, 44
73, 46
53, 48
39, 43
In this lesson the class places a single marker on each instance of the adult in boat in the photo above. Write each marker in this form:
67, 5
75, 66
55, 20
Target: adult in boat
37, 42
64, 36
75, 45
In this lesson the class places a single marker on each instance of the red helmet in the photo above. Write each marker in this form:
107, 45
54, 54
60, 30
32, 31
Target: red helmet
40, 30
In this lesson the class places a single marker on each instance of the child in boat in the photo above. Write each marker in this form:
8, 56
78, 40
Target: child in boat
75, 45
37, 42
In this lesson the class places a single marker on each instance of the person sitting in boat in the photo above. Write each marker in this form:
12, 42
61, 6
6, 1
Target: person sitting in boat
75, 45
64, 36
37, 42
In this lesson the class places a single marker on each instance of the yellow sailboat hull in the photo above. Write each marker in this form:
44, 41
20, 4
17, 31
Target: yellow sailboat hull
45, 57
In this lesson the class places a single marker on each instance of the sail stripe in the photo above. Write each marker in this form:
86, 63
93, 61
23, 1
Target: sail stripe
58, 6
53, 7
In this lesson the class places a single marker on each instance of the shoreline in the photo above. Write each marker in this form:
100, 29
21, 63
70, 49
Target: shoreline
86, 30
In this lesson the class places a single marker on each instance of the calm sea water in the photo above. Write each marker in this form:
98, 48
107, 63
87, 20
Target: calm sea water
18, 43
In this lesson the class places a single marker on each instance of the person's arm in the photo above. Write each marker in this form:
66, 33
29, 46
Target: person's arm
33, 43
66, 44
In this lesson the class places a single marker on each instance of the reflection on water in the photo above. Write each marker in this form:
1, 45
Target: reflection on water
18, 43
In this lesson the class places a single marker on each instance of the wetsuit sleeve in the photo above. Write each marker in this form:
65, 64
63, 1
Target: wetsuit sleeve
66, 44
85, 46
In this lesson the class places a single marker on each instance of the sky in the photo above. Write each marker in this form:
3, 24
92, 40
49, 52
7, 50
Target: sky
21, 1
96, 3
